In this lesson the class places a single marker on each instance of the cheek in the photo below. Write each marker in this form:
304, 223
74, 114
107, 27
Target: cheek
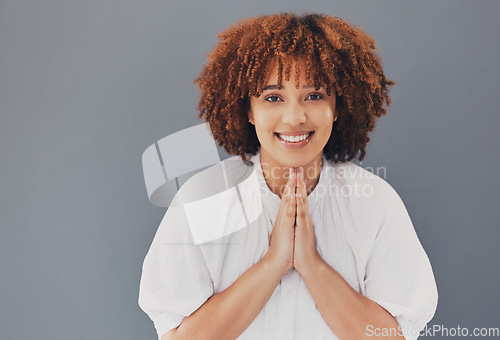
326, 123
325, 119
264, 122
329, 113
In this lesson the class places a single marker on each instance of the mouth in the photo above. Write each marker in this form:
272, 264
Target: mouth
294, 141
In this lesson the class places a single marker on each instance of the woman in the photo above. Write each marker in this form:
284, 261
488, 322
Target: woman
332, 252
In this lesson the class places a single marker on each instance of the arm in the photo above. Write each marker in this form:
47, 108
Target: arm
227, 314
347, 313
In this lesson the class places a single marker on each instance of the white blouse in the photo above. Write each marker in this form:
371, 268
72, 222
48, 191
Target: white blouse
362, 230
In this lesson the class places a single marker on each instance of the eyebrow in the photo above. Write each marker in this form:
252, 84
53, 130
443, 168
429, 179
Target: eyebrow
275, 87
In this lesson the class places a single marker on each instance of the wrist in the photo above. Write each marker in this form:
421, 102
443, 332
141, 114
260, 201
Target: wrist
311, 267
275, 265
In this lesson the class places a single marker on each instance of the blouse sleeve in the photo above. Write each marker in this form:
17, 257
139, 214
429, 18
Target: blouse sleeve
175, 280
399, 275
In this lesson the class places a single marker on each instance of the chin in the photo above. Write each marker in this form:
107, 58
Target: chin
297, 161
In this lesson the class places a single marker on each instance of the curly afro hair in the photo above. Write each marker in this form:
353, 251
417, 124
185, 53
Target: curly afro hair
337, 56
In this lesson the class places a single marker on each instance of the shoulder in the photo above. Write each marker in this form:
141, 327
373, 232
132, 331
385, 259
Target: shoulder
358, 182
365, 194
213, 200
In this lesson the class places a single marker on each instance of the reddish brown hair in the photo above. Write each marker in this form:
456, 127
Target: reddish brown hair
338, 56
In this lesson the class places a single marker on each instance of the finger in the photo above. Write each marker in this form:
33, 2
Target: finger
302, 204
288, 203
285, 194
301, 210
291, 200
301, 188
292, 183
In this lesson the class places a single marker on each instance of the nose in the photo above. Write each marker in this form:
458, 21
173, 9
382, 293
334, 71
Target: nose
294, 114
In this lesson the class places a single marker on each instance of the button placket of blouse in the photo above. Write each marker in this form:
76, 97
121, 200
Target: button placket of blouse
288, 302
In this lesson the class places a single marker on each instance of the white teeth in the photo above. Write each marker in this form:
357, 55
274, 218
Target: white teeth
294, 139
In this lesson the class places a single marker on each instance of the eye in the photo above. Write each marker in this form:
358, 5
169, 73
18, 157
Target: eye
315, 96
272, 98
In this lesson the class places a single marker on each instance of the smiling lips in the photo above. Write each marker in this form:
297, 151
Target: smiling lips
294, 136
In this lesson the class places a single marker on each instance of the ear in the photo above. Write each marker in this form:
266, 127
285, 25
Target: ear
250, 117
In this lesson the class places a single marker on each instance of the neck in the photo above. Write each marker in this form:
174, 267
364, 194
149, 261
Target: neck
276, 175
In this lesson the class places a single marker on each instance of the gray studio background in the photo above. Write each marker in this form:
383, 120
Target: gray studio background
87, 86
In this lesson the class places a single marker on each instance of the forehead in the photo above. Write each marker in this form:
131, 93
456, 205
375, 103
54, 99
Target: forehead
290, 65
317, 76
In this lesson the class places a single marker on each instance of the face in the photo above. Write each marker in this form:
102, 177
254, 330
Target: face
293, 125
